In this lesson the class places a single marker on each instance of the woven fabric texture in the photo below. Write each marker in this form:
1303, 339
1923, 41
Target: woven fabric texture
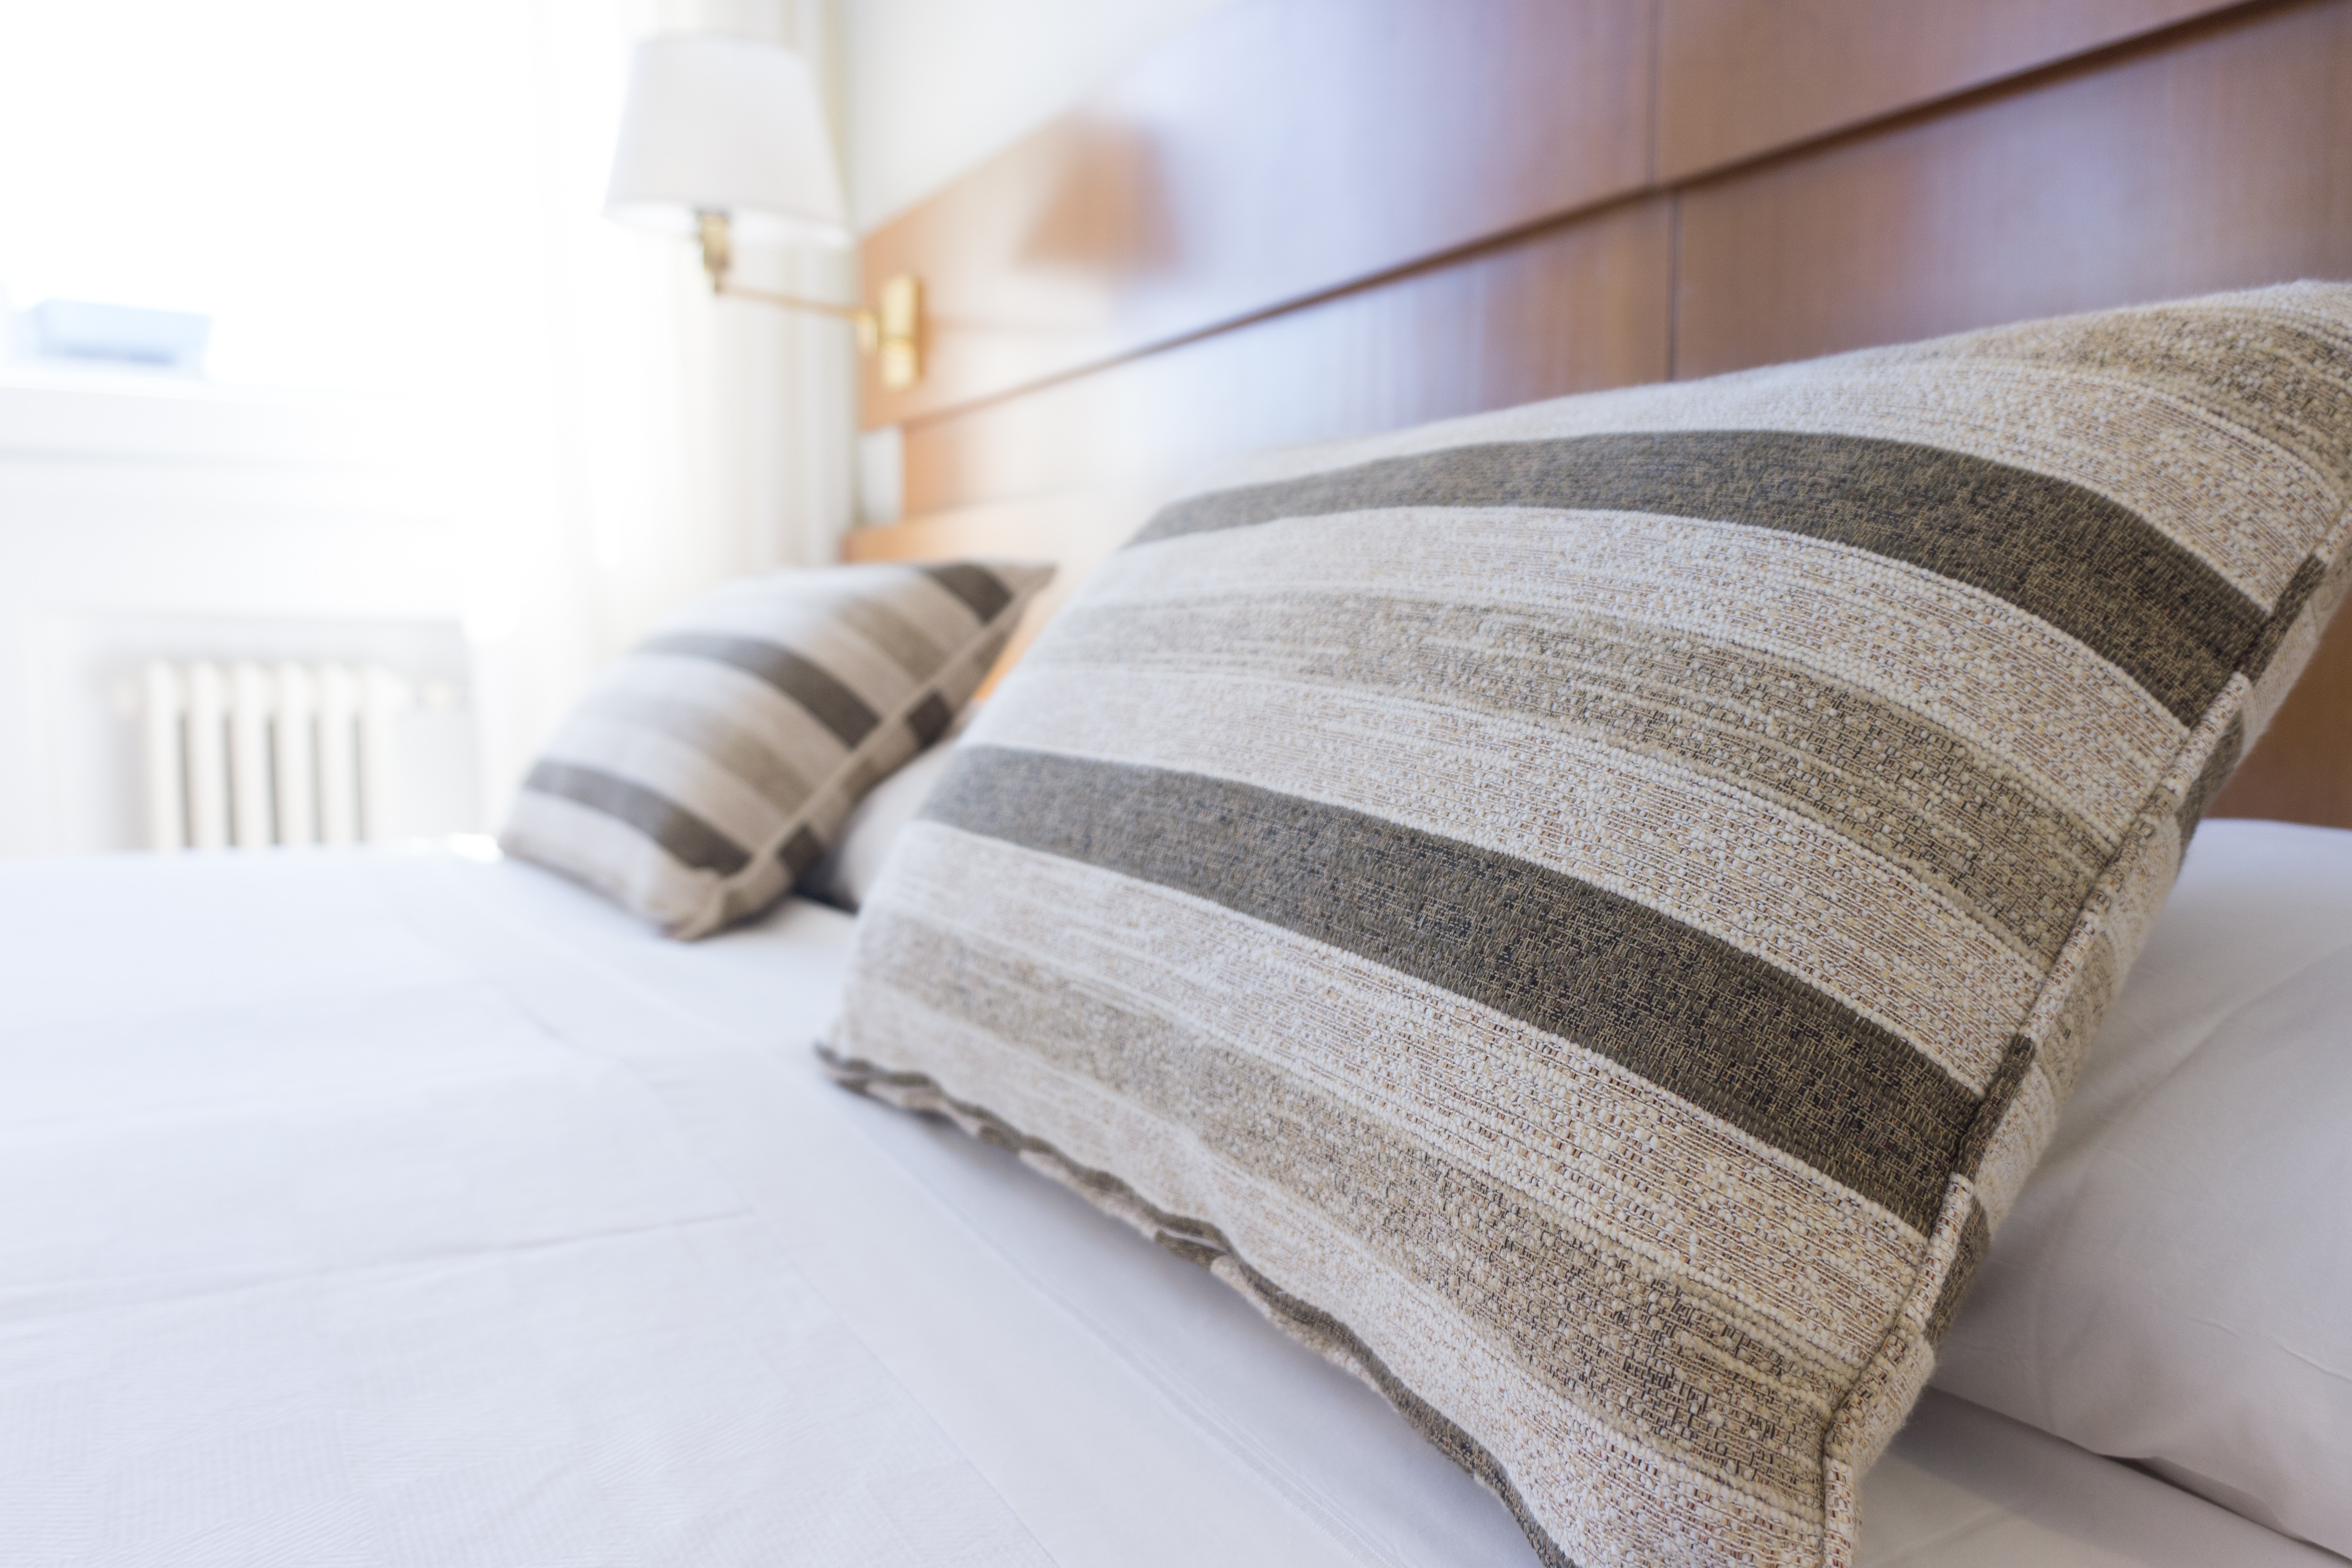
1587, 914
717, 761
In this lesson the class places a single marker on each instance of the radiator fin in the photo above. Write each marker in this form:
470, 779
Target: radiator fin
293, 754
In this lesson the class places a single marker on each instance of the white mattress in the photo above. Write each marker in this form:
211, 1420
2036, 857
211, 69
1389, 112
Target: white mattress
376, 1208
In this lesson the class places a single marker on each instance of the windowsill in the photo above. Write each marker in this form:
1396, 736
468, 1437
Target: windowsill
58, 411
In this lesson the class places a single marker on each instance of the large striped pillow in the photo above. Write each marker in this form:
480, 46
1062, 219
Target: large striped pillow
1587, 914
712, 765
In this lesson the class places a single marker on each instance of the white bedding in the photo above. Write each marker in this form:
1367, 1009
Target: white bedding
376, 1208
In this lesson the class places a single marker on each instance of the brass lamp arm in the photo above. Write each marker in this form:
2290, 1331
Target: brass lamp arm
893, 332
793, 301
869, 327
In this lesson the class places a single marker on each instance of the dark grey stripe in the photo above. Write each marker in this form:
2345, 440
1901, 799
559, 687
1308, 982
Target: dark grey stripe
1722, 1029
980, 590
832, 704
2088, 566
1949, 812
683, 836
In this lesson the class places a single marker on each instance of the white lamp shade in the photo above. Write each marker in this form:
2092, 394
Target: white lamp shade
727, 125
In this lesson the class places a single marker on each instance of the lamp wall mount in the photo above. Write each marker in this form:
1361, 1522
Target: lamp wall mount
891, 330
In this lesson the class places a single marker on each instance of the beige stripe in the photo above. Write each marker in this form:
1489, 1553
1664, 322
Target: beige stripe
1944, 810
851, 648
2079, 728
1613, 1155
714, 733
757, 708
2258, 357
1771, 882
1655, 1360
1611, 1482
608, 855
815, 629
2245, 506
917, 653
680, 774
2025, 1131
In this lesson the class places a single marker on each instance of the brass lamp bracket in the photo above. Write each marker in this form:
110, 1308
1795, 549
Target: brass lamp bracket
893, 332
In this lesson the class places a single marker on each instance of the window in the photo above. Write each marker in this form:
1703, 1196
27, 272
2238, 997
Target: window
352, 193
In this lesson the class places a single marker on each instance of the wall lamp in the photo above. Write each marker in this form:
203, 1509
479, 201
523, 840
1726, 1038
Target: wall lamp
724, 139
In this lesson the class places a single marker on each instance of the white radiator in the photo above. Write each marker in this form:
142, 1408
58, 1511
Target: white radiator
248, 756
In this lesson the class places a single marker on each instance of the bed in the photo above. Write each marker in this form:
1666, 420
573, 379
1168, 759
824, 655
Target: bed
419, 1206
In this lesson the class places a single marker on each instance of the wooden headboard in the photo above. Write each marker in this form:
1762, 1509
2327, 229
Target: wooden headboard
1307, 218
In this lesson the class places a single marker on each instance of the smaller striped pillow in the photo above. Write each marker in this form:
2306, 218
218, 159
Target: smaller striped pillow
715, 762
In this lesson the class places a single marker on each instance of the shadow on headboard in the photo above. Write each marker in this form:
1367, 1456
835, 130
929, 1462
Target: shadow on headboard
1306, 218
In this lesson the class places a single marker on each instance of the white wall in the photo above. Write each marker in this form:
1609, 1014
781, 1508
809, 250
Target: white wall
598, 438
159, 518
463, 424
937, 86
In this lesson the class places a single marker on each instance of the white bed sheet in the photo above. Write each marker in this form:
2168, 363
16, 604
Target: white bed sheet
380, 1208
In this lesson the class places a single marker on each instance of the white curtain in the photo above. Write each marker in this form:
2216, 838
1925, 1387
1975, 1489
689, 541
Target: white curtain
690, 439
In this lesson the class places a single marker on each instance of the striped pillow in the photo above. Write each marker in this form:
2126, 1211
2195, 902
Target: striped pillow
712, 765
1587, 914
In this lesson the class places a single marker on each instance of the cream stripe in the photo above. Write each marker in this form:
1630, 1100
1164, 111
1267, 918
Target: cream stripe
756, 707
1620, 1484
680, 774
2242, 503
2080, 728
744, 753
1769, 881
1645, 1171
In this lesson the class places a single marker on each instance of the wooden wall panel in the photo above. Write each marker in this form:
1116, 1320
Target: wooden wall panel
1740, 77
1277, 151
1154, 291
2217, 161
1570, 310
